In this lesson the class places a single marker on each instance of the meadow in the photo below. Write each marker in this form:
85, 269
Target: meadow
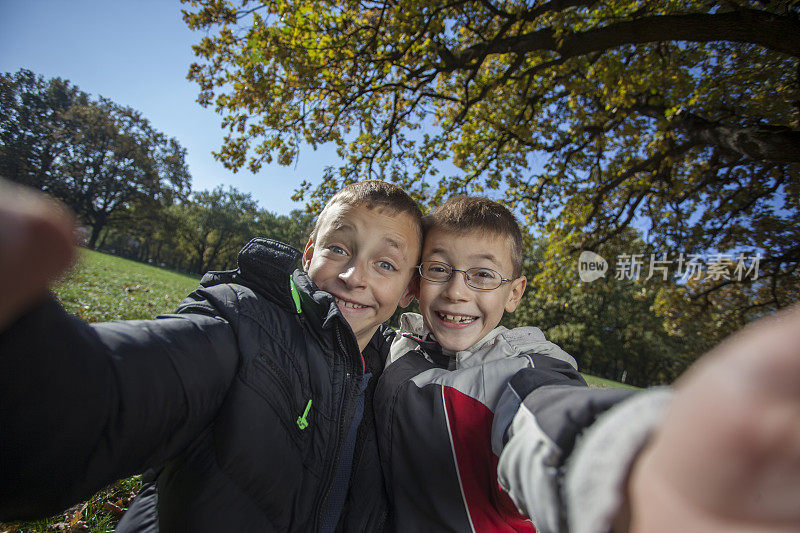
103, 287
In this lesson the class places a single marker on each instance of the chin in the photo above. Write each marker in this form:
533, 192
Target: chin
458, 345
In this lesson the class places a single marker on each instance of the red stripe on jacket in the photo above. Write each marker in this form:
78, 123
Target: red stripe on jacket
470, 426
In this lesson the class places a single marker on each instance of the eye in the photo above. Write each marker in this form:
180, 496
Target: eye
439, 269
337, 249
484, 273
386, 265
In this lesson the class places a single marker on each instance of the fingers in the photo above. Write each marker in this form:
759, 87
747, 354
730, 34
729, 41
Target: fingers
36, 246
728, 451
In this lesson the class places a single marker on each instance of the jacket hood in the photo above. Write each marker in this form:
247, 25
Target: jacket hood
266, 267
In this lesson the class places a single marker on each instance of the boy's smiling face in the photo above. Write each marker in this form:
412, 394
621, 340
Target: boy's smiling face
456, 314
365, 258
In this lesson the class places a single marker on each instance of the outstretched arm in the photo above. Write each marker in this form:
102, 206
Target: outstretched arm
720, 452
727, 455
82, 405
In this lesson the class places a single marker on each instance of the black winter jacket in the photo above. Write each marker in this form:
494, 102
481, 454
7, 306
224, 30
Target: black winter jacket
250, 401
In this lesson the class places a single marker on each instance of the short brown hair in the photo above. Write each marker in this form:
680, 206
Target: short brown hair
464, 214
372, 194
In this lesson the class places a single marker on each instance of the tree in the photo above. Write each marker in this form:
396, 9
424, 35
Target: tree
100, 158
31, 111
293, 229
610, 325
149, 234
680, 116
216, 224
111, 159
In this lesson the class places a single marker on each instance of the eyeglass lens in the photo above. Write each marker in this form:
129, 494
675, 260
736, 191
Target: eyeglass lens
478, 278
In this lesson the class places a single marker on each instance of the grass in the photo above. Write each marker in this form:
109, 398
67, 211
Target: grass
103, 287
606, 383
99, 514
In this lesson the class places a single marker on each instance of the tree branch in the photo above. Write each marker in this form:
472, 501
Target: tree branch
779, 145
775, 32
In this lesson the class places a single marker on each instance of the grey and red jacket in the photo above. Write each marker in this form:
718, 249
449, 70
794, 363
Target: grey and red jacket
478, 440
251, 402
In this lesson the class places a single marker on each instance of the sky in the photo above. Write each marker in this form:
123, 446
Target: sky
137, 53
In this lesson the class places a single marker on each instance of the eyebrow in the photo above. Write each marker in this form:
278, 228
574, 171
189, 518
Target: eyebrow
487, 256
393, 243
341, 225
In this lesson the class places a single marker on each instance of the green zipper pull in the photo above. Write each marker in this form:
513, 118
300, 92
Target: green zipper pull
295, 295
302, 423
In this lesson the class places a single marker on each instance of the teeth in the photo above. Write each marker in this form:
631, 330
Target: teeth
351, 305
458, 319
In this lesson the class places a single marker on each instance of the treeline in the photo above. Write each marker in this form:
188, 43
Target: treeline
128, 183
613, 327
202, 233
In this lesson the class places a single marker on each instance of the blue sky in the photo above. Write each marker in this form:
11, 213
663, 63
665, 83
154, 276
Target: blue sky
137, 53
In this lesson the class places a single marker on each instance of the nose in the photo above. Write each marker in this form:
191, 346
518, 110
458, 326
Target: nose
354, 274
456, 289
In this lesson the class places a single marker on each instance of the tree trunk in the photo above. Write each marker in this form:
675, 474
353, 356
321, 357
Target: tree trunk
94, 238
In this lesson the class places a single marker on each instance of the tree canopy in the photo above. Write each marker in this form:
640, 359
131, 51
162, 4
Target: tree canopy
217, 224
678, 117
97, 156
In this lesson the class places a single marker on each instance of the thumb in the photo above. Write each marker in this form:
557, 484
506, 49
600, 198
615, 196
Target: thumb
36, 246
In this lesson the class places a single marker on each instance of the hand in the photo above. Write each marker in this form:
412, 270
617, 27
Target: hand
727, 456
36, 246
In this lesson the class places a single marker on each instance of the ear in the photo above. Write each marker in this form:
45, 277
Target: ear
515, 295
413, 286
308, 253
411, 292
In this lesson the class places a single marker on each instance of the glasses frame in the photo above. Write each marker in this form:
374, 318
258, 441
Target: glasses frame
453, 270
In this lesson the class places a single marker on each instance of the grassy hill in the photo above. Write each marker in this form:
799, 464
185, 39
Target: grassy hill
602, 383
103, 287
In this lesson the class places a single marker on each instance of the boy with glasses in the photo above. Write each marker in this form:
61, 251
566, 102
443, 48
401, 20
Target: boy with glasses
482, 428
437, 400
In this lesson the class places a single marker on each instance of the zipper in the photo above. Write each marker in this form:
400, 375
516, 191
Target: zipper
321, 503
302, 420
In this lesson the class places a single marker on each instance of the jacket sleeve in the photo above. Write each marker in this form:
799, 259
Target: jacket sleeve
565, 449
83, 405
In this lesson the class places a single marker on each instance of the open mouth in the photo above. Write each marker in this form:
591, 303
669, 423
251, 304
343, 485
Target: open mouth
456, 319
349, 305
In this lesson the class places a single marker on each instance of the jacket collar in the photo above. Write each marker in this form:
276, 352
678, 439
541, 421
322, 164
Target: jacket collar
270, 268
265, 266
320, 309
318, 305
414, 335
497, 344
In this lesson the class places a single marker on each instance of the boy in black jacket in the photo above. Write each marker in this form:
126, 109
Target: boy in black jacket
253, 401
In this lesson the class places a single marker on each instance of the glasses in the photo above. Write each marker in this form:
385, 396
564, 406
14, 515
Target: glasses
483, 279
